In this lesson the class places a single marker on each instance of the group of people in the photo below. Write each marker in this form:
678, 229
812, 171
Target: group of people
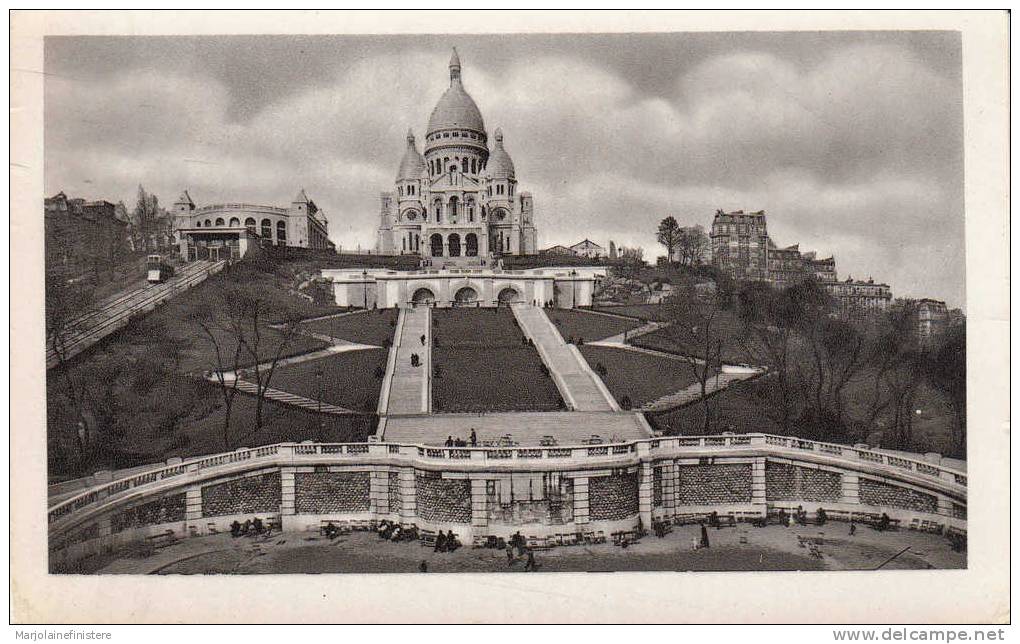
446, 542
415, 360
517, 547
394, 531
250, 528
460, 442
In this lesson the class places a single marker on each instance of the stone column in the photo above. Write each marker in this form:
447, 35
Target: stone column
669, 473
193, 508
645, 484
409, 511
479, 506
581, 501
379, 493
851, 484
759, 496
945, 506
288, 509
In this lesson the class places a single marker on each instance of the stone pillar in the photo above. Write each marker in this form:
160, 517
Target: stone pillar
288, 508
479, 506
645, 484
669, 472
379, 493
945, 506
193, 508
409, 511
758, 492
851, 484
581, 501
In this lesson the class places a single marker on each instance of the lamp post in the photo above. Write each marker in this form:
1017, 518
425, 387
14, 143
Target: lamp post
318, 402
364, 282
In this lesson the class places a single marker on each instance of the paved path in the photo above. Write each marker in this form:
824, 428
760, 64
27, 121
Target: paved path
526, 428
293, 399
627, 336
342, 346
580, 387
693, 393
409, 387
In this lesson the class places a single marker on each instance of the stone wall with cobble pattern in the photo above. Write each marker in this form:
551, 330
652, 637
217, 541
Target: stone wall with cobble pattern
657, 487
712, 484
442, 500
784, 482
327, 492
396, 497
168, 509
883, 494
246, 495
611, 498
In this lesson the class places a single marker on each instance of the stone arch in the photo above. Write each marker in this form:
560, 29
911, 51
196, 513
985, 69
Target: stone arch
465, 295
220, 222
508, 295
452, 207
436, 245
267, 228
249, 223
453, 244
423, 295
235, 222
471, 245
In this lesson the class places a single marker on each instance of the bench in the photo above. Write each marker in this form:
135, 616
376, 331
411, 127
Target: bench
342, 526
625, 537
427, 538
687, 519
161, 540
539, 543
593, 537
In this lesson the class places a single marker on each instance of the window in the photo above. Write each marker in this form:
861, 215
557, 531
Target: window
267, 229
207, 224
235, 222
249, 223
198, 224
474, 166
219, 221
281, 231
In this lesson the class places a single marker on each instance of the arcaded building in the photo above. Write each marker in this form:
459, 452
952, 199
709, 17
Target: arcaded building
228, 230
460, 198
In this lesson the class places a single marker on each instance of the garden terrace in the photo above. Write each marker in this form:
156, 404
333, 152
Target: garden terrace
484, 364
579, 324
349, 379
366, 327
639, 377
645, 312
673, 339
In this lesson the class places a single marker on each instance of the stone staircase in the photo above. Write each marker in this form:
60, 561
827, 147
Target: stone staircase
692, 393
409, 390
580, 387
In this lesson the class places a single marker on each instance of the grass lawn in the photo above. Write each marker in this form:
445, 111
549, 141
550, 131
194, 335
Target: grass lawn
588, 326
365, 327
490, 327
641, 377
499, 378
485, 364
645, 312
673, 339
348, 379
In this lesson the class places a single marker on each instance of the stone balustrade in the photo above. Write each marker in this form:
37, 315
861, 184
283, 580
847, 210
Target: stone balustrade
612, 486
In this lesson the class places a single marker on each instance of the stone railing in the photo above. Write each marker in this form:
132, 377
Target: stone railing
938, 478
240, 206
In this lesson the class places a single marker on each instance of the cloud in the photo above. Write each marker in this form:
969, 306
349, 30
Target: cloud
856, 153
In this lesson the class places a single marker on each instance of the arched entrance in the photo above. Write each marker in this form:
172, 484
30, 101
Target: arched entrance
471, 245
508, 296
453, 241
465, 296
436, 244
423, 296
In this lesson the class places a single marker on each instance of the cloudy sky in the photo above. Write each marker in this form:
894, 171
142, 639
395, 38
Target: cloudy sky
850, 141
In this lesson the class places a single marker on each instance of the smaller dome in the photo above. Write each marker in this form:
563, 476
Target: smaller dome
500, 165
413, 165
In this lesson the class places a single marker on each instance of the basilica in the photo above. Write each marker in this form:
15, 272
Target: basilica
459, 200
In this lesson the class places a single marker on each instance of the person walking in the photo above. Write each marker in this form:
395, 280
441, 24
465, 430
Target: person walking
474, 438
509, 554
423, 339
530, 565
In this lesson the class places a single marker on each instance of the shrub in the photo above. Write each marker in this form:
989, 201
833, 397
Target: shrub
625, 403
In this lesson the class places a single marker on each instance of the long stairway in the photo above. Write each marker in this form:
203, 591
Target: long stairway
580, 387
408, 392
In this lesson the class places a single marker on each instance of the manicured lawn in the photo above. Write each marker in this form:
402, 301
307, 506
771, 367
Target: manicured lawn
485, 365
367, 327
674, 339
500, 378
491, 327
588, 326
646, 312
638, 376
198, 351
348, 379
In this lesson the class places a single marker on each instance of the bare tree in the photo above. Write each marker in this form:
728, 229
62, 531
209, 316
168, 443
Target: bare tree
697, 323
692, 245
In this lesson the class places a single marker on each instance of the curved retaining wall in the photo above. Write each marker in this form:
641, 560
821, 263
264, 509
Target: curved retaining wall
485, 491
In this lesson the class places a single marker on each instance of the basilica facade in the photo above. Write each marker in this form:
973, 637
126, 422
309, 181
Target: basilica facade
459, 199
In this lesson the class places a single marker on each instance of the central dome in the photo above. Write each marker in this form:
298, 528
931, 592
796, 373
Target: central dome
456, 109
